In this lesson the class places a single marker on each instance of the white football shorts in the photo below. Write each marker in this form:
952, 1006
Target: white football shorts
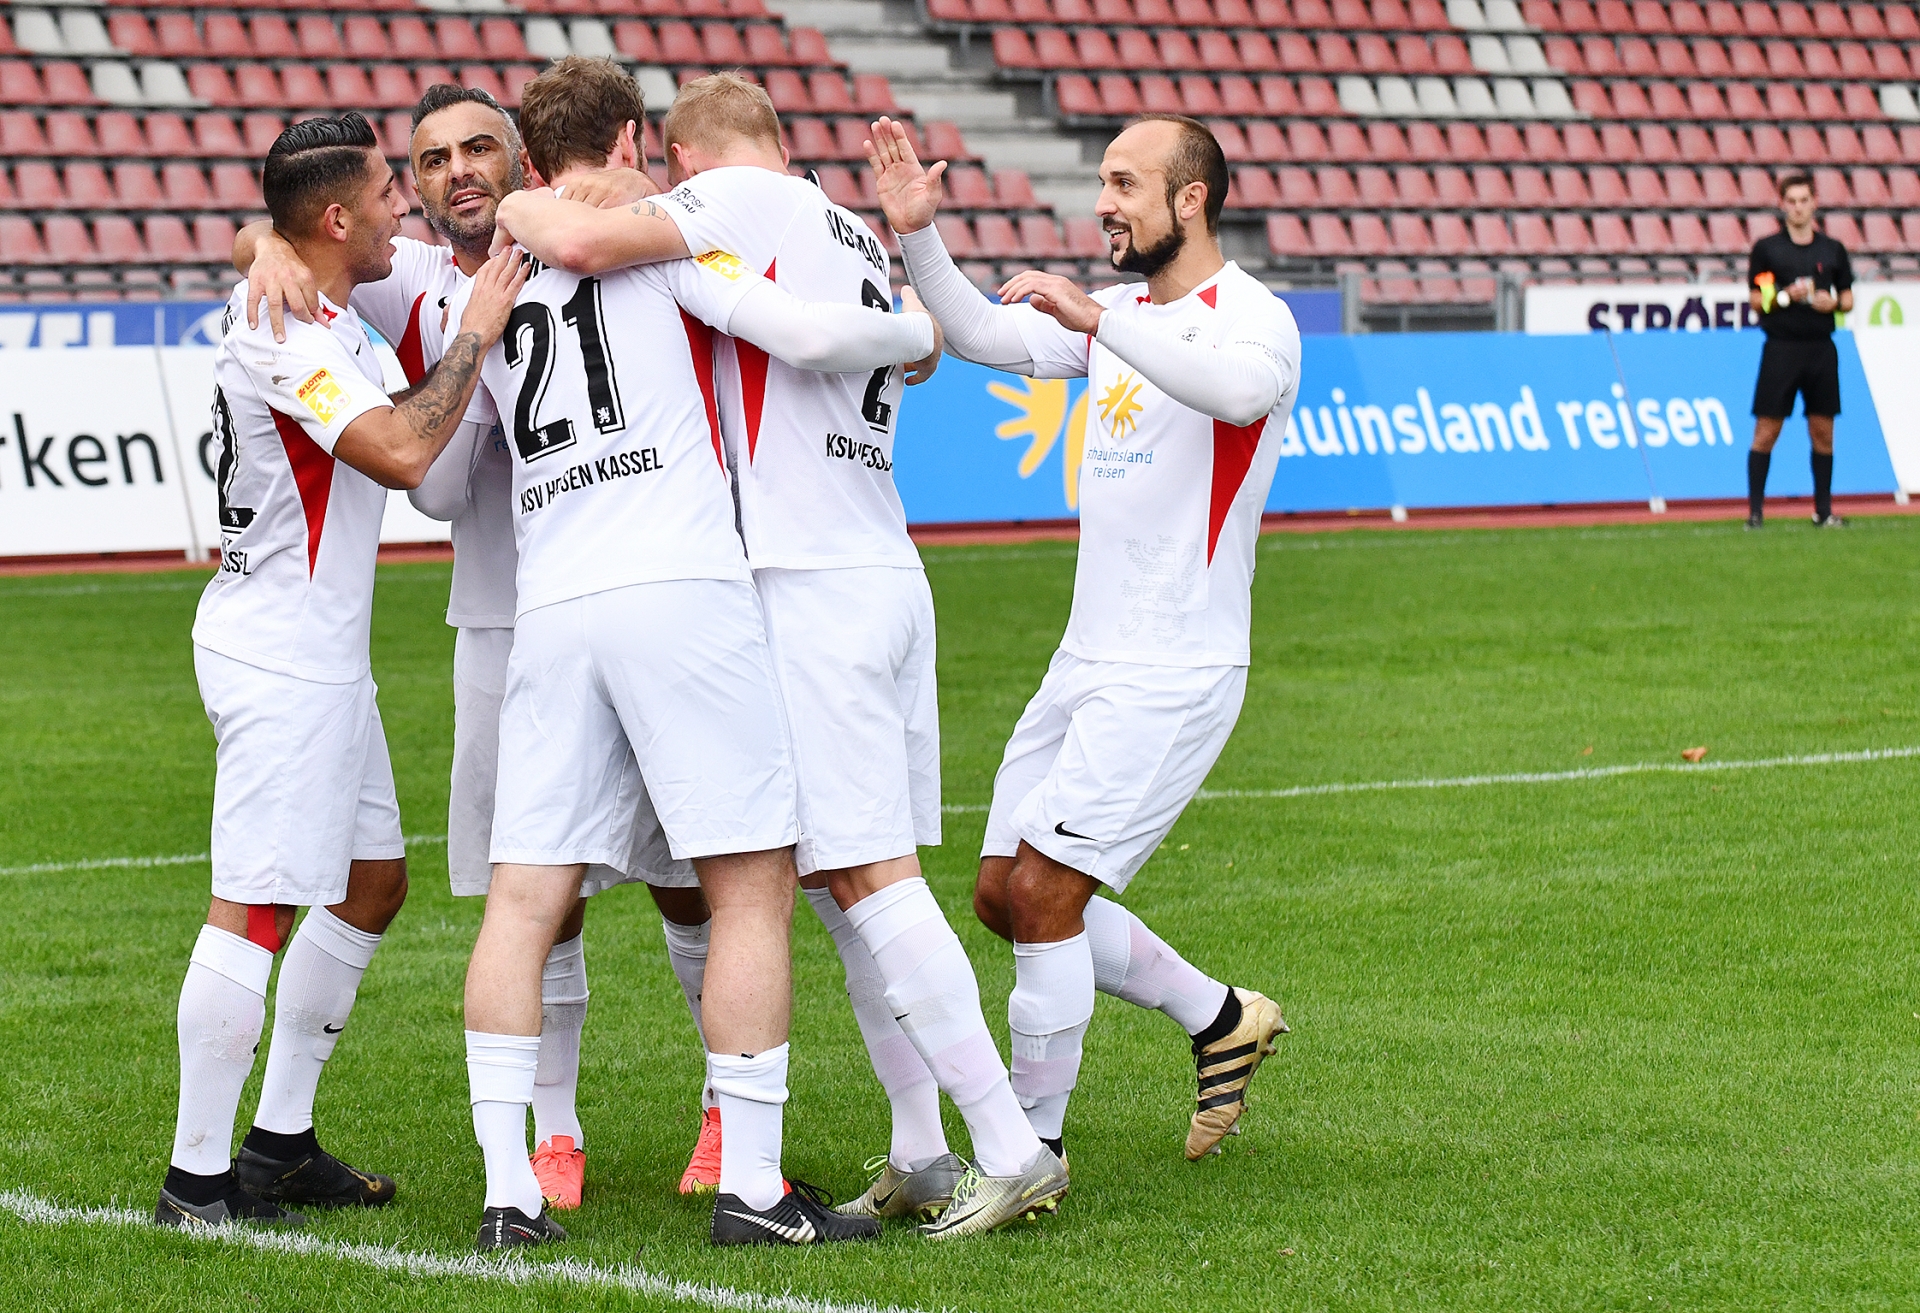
1106, 757
479, 686
302, 784
660, 688
854, 651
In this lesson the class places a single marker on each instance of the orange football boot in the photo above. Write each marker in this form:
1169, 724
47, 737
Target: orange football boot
561, 1170
703, 1170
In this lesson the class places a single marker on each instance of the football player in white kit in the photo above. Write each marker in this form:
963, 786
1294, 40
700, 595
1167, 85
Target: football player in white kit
303, 812
466, 155
640, 659
1192, 379
850, 621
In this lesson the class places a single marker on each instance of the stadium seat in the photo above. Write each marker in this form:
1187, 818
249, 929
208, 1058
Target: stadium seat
168, 239
136, 186
68, 241
117, 240
87, 187
118, 134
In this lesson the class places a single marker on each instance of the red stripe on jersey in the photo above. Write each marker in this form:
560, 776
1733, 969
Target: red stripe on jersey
753, 382
1233, 449
413, 360
700, 347
1210, 295
312, 475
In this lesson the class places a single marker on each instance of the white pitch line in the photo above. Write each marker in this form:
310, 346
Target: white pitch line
1226, 795
510, 1271
1533, 777
184, 859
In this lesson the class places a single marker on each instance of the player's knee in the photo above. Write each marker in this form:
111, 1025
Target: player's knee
990, 905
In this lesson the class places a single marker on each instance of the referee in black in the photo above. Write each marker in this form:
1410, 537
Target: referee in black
1798, 279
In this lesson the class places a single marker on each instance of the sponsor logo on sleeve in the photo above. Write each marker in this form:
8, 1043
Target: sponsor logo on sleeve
725, 263
321, 395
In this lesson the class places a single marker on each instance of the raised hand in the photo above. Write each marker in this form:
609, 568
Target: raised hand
608, 189
1053, 295
909, 192
495, 288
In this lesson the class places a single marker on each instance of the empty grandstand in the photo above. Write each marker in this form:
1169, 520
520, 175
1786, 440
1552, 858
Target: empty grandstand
1431, 146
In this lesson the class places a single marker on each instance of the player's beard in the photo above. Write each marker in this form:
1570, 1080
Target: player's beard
1150, 259
473, 230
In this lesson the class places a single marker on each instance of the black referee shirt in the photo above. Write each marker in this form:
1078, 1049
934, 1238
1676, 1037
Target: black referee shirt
1822, 259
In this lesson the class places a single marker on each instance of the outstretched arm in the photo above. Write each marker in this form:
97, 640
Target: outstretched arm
584, 240
442, 494
1238, 381
829, 337
274, 272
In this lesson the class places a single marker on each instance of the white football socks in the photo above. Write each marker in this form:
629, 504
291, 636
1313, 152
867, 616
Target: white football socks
318, 981
500, 1075
752, 1097
918, 1136
1133, 963
1048, 1012
932, 994
563, 1015
687, 954
223, 1005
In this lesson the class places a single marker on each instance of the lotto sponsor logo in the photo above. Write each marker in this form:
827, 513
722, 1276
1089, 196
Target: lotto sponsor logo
725, 263
603, 469
868, 454
321, 395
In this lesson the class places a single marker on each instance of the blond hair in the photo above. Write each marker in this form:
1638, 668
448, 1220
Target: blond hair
712, 112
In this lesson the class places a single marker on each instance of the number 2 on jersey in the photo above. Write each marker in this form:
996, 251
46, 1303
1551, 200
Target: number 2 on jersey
529, 336
877, 413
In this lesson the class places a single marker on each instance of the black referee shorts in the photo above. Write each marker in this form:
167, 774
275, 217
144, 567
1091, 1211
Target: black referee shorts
1810, 370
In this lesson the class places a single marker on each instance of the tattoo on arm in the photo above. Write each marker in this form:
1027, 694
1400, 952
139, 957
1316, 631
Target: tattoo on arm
647, 208
439, 399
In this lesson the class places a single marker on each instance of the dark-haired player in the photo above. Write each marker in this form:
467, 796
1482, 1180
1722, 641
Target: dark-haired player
1798, 278
466, 156
304, 813
1190, 379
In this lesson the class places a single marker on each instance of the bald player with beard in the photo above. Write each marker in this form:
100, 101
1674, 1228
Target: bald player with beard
466, 156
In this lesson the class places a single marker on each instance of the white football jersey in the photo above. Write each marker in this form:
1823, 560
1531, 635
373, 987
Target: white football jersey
604, 388
405, 306
299, 531
812, 453
1170, 499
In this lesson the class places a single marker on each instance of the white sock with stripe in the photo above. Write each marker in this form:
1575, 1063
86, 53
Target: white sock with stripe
223, 1006
500, 1075
932, 993
1048, 1013
687, 954
318, 982
918, 1136
1132, 963
563, 1016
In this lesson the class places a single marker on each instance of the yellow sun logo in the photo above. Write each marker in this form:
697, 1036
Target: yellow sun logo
1045, 417
1120, 406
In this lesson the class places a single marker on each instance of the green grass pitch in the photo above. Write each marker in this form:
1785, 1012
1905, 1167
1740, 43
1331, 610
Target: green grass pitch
1650, 1042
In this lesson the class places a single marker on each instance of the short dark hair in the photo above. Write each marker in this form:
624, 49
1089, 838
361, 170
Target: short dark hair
573, 113
1196, 157
442, 95
313, 164
1795, 180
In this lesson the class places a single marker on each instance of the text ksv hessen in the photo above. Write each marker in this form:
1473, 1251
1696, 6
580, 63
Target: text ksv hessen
1408, 429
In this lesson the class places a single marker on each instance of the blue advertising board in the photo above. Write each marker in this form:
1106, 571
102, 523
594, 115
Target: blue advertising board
1417, 420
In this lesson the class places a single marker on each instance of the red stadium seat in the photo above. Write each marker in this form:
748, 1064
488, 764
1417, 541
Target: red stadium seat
810, 47
317, 37
1118, 95
635, 40
266, 36
235, 187
66, 84
347, 87
500, 39
1199, 98
456, 39
1158, 95
720, 44
1336, 187
785, 88
1451, 235
1411, 236
1370, 235
1880, 233
1041, 237
1286, 236
1013, 48
968, 188
1490, 235
1695, 144
1015, 189
480, 77
1135, 49
302, 87
1253, 189
1328, 236
1298, 187
1491, 190
364, 38
1075, 96
1318, 98
1424, 142
1233, 142
87, 188
185, 187
1844, 230
68, 241
1304, 141
1085, 240
812, 140
1452, 187
119, 134
995, 237
69, 133
168, 240
118, 241
213, 238
1176, 51
1278, 98
20, 84
37, 185
828, 91
1870, 187
20, 241
1649, 235
411, 38
258, 131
